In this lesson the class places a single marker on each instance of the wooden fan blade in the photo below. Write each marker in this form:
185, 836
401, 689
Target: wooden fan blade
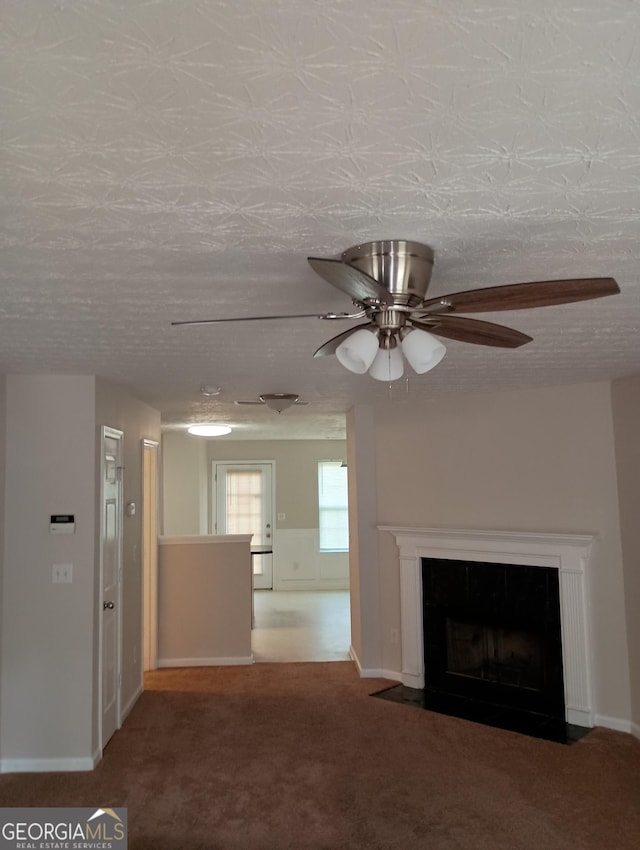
254, 319
474, 331
330, 346
522, 296
356, 284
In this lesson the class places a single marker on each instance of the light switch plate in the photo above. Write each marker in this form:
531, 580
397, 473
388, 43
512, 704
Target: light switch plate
62, 573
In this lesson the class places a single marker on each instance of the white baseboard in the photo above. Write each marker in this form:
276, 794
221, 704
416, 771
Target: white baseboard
234, 661
379, 673
613, 723
55, 765
373, 672
353, 655
599, 720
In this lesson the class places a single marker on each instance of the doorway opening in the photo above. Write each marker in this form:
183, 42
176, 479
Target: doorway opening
301, 600
150, 553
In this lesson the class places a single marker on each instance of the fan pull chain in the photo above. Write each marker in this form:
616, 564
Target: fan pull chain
406, 387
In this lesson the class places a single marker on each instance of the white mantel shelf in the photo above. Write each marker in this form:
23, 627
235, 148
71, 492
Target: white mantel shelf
570, 554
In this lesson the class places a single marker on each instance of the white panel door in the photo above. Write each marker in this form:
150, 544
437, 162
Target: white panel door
111, 561
244, 505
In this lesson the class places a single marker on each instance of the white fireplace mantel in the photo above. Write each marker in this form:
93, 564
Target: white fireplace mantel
568, 553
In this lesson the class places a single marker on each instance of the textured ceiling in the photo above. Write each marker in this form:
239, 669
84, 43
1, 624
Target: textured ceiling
168, 160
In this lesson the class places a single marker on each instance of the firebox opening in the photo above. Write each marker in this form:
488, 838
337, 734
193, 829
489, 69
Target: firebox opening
491, 653
493, 644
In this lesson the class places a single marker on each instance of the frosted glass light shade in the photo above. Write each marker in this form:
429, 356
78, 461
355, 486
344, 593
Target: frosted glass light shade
209, 430
422, 350
357, 352
387, 365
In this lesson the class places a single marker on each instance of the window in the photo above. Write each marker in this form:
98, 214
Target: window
333, 506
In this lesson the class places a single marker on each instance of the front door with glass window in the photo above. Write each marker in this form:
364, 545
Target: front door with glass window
243, 500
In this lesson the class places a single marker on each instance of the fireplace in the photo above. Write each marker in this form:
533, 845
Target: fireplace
488, 654
492, 641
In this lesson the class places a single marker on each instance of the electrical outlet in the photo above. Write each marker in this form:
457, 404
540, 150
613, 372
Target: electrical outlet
62, 573
281, 516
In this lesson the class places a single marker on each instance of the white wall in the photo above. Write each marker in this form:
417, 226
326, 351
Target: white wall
538, 460
204, 601
184, 484
364, 565
626, 410
48, 629
49, 633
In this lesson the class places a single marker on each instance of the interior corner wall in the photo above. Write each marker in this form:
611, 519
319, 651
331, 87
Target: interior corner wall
116, 408
532, 460
47, 629
625, 395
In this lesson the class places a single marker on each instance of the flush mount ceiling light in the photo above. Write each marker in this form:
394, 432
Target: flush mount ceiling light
209, 430
209, 390
279, 401
275, 401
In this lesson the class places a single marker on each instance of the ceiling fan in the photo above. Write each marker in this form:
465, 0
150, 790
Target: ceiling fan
387, 282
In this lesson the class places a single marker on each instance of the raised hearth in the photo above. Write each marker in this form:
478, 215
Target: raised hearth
568, 554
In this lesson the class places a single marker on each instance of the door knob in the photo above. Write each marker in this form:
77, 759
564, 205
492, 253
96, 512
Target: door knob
106, 605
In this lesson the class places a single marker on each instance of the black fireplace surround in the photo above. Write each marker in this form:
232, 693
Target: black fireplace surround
493, 644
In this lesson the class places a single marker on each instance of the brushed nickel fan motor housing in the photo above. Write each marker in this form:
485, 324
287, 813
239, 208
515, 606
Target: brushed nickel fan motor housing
402, 267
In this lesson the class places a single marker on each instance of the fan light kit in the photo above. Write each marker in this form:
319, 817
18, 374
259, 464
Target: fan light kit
364, 351
387, 282
209, 430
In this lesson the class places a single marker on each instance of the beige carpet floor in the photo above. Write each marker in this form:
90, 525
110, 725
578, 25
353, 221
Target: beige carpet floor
299, 756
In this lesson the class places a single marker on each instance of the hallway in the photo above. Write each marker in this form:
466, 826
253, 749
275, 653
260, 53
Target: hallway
301, 625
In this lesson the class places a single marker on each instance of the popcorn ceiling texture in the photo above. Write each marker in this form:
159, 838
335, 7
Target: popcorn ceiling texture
165, 161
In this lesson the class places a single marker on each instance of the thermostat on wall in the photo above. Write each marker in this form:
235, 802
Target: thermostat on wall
62, 524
